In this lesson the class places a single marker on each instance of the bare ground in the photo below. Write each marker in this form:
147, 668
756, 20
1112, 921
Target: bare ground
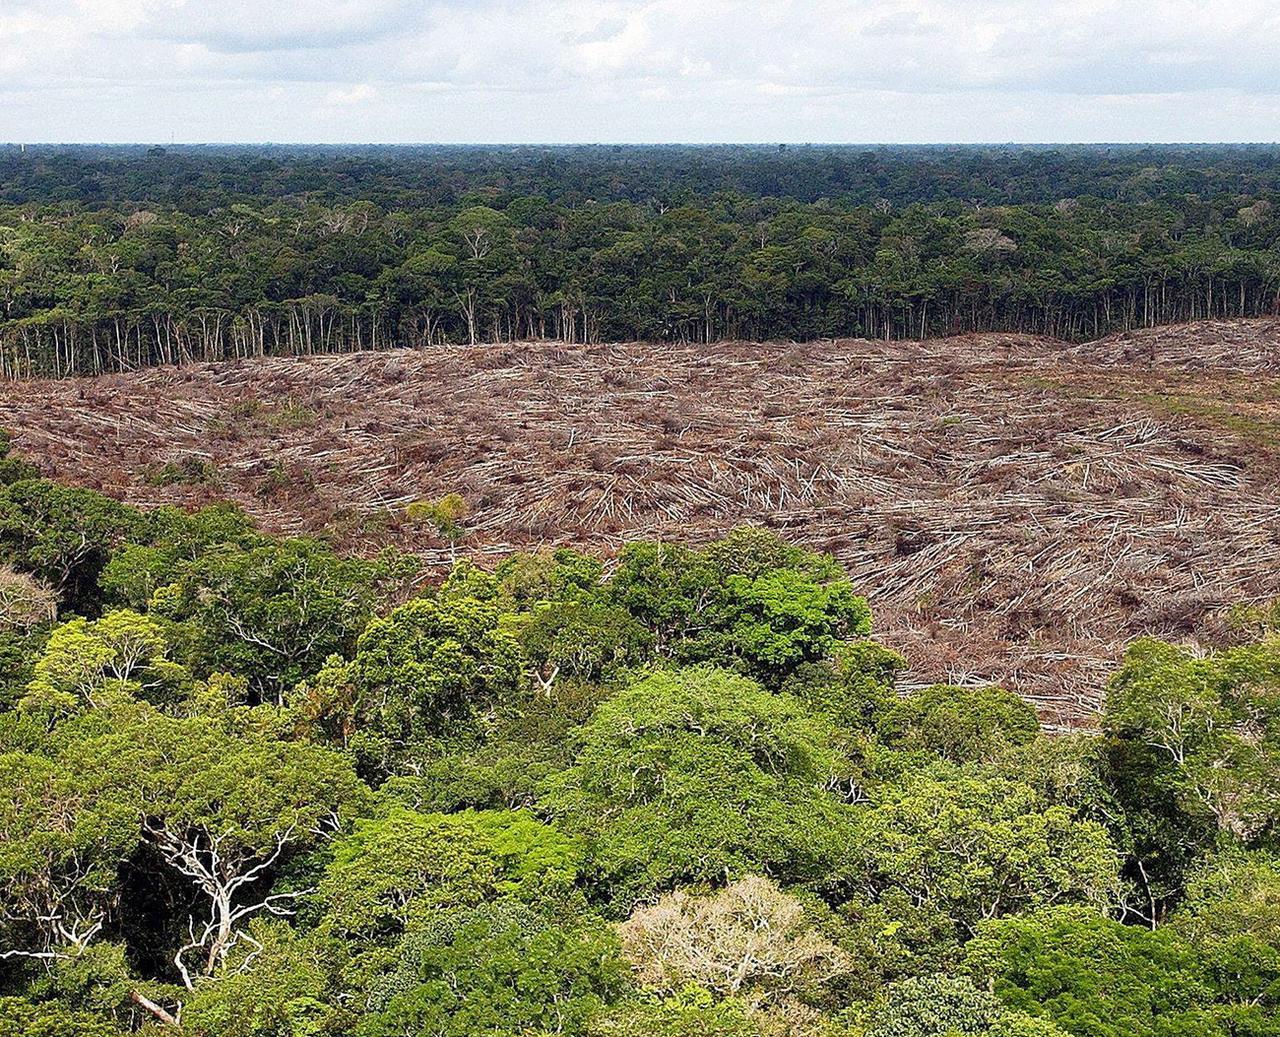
1015, 508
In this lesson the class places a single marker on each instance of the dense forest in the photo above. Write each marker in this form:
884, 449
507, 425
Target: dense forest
252, 788
115, 258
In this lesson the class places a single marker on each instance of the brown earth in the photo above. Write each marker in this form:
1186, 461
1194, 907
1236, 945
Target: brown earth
1015, 508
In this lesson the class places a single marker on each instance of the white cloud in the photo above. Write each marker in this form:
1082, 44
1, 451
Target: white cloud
358, 94
638, 69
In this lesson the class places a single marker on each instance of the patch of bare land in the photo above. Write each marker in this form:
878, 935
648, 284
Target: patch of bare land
1015, 508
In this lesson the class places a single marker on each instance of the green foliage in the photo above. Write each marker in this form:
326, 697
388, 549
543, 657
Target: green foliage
85, 663
855, 688
975, 847
165, 542
222, 801
21, 1018
190, 470
559, 575
282, 984
584, 639
959, 724
1252, 622
404, 866
445, 516
1094, 977
528, 743
66, 832
272, 613
13, 469
692, 1012
390, 248
495, 969
63, 536
698, 774
944, 1006
1213, 721
748, 602
91, 978
18, 655
705, 744
1231, 916
434, 666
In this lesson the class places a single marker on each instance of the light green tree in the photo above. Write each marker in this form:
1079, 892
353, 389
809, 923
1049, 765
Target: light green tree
92, 663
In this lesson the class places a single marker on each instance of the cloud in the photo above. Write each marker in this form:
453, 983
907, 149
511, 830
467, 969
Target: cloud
237, 26
605, 30
361, 93
638, 69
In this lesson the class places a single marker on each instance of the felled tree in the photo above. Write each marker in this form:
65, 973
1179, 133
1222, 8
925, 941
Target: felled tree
748, 940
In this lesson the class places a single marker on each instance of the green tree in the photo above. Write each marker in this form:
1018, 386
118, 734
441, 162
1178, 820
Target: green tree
976, 848
22, 1018
1214, 722
225, 803
13, 469
272, 613
405, 865
585, 640
946, 1006
445, 516
495, 969
64, 834
697, 775
278, 982
63, 536
748, 602
1094, 977
959, 724
435, 666
87, 663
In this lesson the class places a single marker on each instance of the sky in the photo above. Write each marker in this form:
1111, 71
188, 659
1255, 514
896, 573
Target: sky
495, 71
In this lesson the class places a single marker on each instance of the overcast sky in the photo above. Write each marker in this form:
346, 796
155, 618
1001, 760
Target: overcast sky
639, 70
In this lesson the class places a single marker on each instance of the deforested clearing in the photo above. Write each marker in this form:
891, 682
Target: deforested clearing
1015, 508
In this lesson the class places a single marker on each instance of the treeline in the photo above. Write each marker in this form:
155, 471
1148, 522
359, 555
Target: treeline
86, 290
199, 178
250, 788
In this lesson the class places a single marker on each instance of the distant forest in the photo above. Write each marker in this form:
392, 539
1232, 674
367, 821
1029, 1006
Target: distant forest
113, 258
